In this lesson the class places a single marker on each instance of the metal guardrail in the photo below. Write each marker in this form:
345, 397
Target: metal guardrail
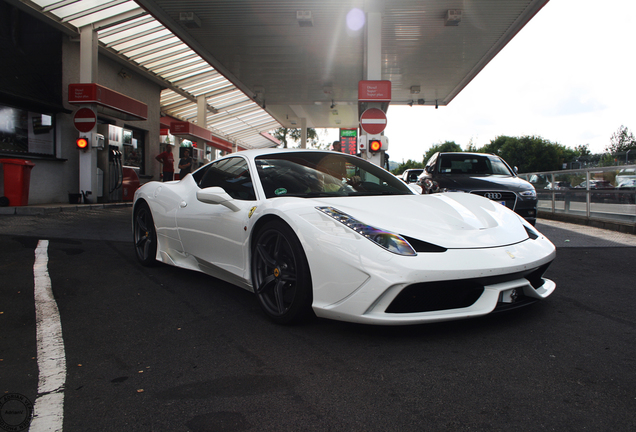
604, 194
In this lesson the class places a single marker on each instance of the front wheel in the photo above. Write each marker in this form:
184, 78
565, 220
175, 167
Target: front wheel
145, 236
280, 274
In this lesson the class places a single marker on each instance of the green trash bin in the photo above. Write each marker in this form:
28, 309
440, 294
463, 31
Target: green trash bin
17, 176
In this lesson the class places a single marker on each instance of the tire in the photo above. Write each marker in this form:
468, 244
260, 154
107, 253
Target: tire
145, 235
280, 274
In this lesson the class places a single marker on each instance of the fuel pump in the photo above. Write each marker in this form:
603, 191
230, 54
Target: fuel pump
115, 173
110, 163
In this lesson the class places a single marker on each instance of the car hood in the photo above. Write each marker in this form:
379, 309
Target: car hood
451, 220
472, 182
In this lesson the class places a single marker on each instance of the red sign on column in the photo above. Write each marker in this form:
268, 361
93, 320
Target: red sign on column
374, 91
85, 119
373, 121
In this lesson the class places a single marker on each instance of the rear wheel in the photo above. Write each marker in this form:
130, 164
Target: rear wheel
280, 274
145, 236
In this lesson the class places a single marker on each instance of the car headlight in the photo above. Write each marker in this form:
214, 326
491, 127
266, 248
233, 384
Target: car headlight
387, 240
529, 194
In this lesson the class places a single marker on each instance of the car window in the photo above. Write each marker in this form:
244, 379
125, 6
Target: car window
472, 164
231, 174
413, 175
315, 174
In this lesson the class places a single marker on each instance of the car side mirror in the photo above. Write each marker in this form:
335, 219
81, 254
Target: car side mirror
516, 170
217, 195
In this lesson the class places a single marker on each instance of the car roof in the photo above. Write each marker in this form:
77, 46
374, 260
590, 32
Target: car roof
468, 154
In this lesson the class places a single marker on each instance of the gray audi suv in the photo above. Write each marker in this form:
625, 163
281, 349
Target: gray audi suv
481, 174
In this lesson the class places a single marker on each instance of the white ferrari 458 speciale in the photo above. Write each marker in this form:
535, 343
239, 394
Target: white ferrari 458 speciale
325, 233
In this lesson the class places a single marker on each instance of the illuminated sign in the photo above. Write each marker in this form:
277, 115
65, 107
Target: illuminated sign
349, 141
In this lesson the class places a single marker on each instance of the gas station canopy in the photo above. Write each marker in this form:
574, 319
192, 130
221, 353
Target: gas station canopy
265, 63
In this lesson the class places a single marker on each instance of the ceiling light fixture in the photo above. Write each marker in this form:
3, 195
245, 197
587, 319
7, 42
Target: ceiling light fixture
305, 18
190, 20
453, 17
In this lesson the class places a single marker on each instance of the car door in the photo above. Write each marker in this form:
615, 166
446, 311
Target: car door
215, 233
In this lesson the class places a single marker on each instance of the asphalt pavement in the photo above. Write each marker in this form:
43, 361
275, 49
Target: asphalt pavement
165, 349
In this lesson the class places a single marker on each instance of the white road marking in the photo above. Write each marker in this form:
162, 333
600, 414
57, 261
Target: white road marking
49, 404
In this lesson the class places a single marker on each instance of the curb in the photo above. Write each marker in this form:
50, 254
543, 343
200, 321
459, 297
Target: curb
58, 208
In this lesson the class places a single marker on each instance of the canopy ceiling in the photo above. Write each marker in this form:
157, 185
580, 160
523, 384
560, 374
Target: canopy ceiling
259, 66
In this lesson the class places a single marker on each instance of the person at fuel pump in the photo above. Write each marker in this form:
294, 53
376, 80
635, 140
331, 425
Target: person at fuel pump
185, 164
167, 160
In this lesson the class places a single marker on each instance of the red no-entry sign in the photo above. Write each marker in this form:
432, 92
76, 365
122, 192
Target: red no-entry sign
373, 121
85, 119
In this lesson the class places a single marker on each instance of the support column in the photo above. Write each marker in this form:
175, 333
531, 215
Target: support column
202, 117
373, 49
373, 67
303, 130
88, 74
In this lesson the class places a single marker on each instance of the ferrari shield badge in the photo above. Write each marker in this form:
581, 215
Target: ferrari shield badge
249, 215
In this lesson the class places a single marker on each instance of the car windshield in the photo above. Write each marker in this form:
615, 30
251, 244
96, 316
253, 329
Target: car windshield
472, 164
322, 174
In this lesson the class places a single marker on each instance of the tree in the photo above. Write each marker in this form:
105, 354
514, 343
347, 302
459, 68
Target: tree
471, 147
447, 146
583, 150
285, 134
530, 153
621, 141
409, 164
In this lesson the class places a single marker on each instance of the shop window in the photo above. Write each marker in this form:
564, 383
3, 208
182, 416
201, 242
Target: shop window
26, 133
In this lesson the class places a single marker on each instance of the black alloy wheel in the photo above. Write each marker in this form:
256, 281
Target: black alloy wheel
145, 236
280, 274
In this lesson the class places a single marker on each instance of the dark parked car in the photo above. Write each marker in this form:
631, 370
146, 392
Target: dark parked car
627, 188
596, 184
482, 174
558, 185
600, 190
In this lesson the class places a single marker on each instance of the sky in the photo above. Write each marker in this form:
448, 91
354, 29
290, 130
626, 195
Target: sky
568, 76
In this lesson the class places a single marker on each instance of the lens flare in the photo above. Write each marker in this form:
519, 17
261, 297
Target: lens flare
355, 19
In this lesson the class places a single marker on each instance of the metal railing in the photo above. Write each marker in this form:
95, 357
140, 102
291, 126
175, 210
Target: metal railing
599, 193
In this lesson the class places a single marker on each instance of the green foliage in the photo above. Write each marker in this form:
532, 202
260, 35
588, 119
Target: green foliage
530, 153
606, 160
409, 164
621, 141
285, 135
582, 150
447, 146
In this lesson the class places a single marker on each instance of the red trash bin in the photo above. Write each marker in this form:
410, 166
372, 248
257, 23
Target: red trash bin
17, 176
